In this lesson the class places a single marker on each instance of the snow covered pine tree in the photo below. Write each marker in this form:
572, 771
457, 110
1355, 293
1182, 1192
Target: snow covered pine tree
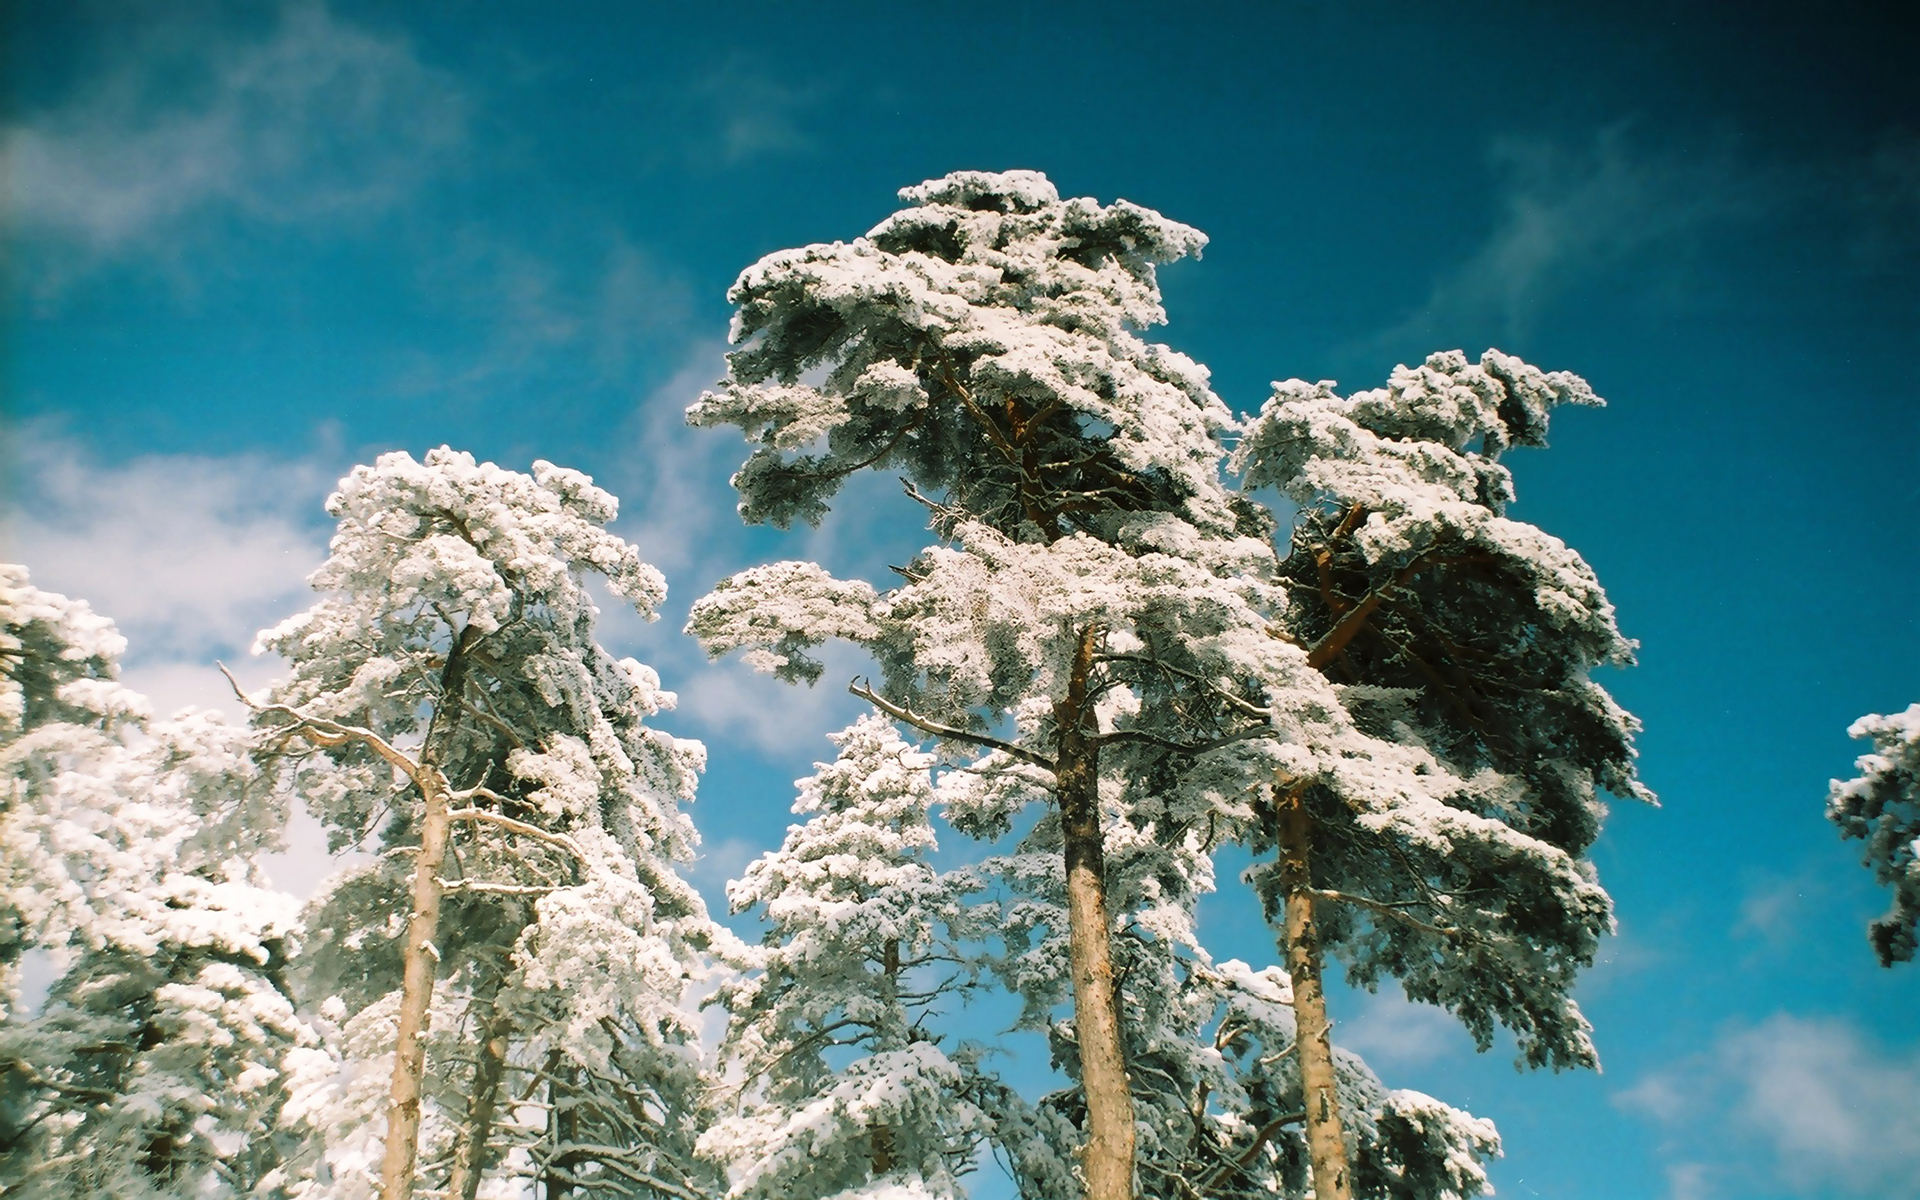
523, 943
1448, 850
864, 943
981, 340
129, 848
1881, 807
1096, 587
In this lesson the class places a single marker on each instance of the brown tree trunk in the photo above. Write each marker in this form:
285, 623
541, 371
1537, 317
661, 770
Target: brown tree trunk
1107, 1161
421, 957
416, 993
1326, 1143
469, 1157
880, 1137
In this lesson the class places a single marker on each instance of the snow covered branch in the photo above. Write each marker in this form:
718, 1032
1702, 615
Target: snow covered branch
938, 729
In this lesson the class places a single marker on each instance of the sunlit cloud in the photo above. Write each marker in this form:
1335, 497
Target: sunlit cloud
1809, 1100
318, 118
1392, 1031
190, 555
1570, 215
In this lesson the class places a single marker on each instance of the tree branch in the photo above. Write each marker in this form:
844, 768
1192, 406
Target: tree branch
936, 729
1245, 706
1335, 640
496, 889
1193, 748
324, 732
1386, 910
510, 825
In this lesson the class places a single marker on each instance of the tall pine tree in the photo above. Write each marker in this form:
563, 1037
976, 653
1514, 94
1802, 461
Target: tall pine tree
511, 969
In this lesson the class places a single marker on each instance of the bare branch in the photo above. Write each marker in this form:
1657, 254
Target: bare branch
510, 825
936, 729
325, 732
1392, 911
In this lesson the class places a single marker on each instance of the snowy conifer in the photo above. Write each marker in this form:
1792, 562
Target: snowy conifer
160, 1059
843, 1089
983, 341
1881, 807
508, 974
1447, 849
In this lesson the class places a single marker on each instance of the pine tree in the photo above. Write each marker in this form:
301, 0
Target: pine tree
844, 1089
983, 342
1881, 807
157, 1064
513, 963
1449, 849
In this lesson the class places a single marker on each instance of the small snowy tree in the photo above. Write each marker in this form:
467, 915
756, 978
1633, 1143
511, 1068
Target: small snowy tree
159, 1061
1881, 807
514, 961
844, 1091
1448, 848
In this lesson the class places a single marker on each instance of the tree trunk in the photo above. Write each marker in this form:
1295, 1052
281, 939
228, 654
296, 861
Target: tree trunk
416, 993
469, 1157
880, 1137
1107, 1161
421, 959
563, 1126
1326, 1143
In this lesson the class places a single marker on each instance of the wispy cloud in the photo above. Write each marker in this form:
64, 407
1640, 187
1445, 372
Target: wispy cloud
1570, 215
1809, 1100
594, 309
318, 118
1393, 1031
1886, 202
190, 555
745, 110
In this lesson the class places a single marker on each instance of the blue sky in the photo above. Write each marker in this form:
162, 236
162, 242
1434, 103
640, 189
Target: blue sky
254, 244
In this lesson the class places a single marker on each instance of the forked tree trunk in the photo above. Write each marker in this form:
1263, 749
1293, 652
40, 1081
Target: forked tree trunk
1326, 1143
1107, 1161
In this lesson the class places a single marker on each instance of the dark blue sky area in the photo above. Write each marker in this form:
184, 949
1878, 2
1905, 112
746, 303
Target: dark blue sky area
298, 236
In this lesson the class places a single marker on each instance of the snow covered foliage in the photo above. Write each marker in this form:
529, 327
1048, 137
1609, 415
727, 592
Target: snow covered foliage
448, 703
160, 1059
1881, 806
1460, 644
1092, 571
842, 1089
976, 341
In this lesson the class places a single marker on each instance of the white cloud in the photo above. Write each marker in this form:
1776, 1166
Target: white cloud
1569, 215
591, 306
190, 555
1811, 1101
733, 705
752, 113
317, 118
1393, 1031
